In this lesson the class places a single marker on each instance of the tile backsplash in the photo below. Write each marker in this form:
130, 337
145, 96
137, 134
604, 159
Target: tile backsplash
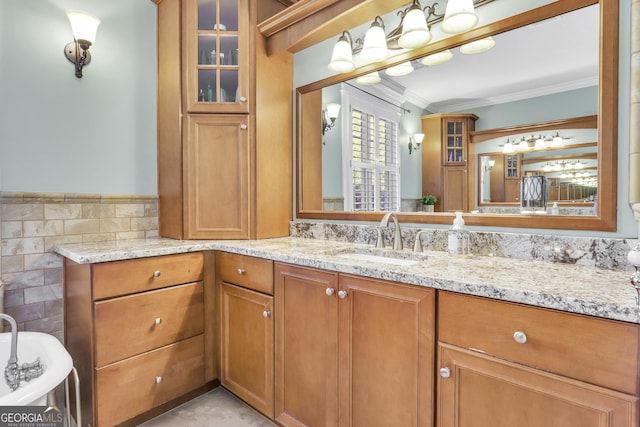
31, 223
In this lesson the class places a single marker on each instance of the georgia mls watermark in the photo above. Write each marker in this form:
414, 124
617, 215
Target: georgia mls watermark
30, 416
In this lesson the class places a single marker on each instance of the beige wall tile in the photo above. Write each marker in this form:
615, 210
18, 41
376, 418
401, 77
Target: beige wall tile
14, 298
26, 312
13, 263
81, 226
42, 228
54, 275
144, 224
151, 209
107, 210
115, 224
127, 210
51, 241
150, 234
42, 293
47, 325
63, 211
54, 308
10, 229
91, 210
21, 211
23, 279
98, 237
128, 235
30, 245
45, 260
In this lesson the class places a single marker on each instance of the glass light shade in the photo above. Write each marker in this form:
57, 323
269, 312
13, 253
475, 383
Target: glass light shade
83, 26
437, 58
459, 17
557, 141
400, 70
369, 79
557, 167
419, 137
492, 163
547, 168
333, 110
540, 144
478, 46
524, 145
568, 166
342, 57
508, 147
415, 31
578, 165
374, 47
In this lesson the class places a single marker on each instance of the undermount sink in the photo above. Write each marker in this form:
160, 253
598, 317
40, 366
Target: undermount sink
55, 359
382, 256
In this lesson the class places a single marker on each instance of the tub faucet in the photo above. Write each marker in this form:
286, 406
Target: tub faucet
13, 373
397, 235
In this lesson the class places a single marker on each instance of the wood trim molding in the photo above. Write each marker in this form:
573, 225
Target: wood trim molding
585, 122
299, 11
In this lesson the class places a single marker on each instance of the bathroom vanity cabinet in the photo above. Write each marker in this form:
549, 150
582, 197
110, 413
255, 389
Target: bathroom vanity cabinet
503, 364
245, 309
139, 333
224, 128
351, 350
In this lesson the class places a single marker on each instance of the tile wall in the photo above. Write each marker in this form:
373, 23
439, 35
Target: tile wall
31, 223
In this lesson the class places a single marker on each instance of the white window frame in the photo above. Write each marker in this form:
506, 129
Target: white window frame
352, 98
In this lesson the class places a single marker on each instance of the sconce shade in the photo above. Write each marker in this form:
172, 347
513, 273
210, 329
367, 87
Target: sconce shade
369, 79
437, 58
374, 47
556, 141
83, 26
415, 31
459, 17
508, 147
540, 144
342, 57
401, 69
524, 145
478, 46
419, 137
333, 110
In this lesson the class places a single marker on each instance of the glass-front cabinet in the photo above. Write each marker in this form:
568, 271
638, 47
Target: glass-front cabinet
455, 138
217, 56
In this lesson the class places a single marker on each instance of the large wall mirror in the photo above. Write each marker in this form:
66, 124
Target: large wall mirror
483, 179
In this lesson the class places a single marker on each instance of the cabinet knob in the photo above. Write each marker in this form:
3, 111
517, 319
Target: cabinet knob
156, 273
241, 271
266, 314
243, 126
342, 294
330, 291
520, 337
445, 373
157, 321
243, 99
158, 380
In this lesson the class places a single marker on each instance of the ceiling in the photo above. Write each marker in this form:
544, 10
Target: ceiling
551, 56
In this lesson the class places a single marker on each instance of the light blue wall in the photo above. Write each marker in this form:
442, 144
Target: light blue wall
59, 133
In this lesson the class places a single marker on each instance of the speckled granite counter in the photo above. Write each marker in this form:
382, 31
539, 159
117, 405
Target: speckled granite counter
585, 290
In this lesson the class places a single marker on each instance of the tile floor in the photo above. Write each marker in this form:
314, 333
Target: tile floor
217, 408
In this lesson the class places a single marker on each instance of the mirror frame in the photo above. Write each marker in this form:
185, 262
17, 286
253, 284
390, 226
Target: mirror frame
607, 126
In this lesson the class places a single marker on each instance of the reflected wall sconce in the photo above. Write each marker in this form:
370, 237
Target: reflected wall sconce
489, 164
329, 116
84, 27
415, 142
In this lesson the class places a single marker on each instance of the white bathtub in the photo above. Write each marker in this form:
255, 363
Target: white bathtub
54, 357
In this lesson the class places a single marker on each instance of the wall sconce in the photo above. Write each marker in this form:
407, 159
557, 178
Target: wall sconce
84, 27
329, 116
489, 164
415, 142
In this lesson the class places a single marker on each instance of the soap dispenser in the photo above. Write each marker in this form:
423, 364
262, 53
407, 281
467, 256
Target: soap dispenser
458, 237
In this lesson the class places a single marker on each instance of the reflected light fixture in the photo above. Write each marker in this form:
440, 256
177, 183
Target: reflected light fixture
557, 140
540, 144
342, 57
459, 17
508, 147
547, 167
437, 58
329, 116
488, 165
369, 79
415, 142
478, 46
374, 47
523, 145
415, 30
401, 69
83, 27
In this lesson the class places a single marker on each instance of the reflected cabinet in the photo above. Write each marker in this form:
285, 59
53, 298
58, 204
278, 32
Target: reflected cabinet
217, 146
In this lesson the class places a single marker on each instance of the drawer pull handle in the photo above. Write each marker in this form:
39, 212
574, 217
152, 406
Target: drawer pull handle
520, 337
330, 291
445, 373
342, 294
241, 271
158, 380
156, 273
266, 314
157, 320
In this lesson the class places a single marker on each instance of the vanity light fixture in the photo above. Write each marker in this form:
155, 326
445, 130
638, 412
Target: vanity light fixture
415, 142
540, 143
369, 79
459, 17
84, 27
478, 46
342, 57
523, 145
375, 42
401, 69
329, 116
547, 167
415, 30
508, 147
437, 58
557, 140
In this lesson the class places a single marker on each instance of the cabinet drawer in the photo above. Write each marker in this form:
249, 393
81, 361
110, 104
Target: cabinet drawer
249, 272
136, 275
596, 351
133, 386
130, 325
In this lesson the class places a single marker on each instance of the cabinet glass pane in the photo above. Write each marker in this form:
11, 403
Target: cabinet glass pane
228, 50
207, 86
207, 14
228, 85
229, 15
207, 49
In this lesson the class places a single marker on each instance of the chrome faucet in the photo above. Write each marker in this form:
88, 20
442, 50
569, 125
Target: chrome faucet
397, 235
13, 373
417, 246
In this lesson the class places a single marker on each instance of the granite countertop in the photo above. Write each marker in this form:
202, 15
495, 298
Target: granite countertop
577, 289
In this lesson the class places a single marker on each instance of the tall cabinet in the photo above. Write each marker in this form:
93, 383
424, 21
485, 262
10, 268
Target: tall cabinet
445, 159
224, 122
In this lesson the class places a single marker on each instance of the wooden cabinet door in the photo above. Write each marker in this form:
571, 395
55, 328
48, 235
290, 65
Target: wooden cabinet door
512, 190
246, 332
216, 161
306, 346
456, 189
386, 347
480, 390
